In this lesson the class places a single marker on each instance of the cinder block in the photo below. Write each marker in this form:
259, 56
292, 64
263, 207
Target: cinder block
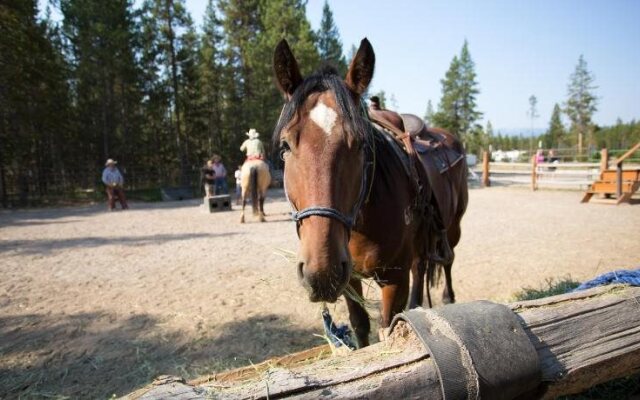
219, 203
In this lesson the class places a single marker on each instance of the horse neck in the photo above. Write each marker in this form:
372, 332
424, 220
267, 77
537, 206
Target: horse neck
389, 178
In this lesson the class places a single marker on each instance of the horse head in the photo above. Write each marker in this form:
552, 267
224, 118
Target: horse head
321, 134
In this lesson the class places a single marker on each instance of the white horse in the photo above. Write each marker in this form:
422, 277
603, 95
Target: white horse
255, 178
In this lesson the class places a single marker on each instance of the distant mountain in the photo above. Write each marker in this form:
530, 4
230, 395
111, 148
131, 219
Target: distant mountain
526, 132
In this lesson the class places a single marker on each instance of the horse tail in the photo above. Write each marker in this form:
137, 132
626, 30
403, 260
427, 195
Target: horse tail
434, 273
253, 186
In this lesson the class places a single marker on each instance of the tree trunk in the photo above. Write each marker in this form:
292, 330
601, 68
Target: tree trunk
105, 129
184, 174
573, 356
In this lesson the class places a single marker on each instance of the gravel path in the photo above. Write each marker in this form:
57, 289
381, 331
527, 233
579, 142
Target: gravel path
95, 303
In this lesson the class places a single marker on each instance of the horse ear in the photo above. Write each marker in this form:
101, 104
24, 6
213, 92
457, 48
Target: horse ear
361, 69
288, 75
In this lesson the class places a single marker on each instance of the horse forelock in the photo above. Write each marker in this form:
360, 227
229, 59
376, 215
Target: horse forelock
325, 79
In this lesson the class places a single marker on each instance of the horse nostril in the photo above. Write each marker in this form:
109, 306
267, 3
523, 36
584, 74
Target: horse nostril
301, 270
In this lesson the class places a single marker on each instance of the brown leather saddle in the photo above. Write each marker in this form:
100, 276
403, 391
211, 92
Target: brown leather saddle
433, 153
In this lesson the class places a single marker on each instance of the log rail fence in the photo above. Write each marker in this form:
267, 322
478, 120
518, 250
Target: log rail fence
578, 340
593, 177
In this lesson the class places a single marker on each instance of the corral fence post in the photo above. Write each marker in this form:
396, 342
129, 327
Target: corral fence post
485, 169
534, 173
604, 160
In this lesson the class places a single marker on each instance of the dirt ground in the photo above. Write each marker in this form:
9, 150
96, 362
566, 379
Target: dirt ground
95, 303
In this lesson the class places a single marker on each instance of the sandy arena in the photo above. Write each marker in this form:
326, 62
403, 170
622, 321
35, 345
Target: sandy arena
95, 303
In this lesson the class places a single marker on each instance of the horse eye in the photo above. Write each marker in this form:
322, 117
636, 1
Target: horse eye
284, 149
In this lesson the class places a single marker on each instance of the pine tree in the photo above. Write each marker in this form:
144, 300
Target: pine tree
429, 113
532, 113
555, 134
36, 136
581, 103
189, 81
211, 75
448, 115
102, 39
489, 129
457, 110
242, 28
329, 43
488, 136
164, 20
468, 88
279, 19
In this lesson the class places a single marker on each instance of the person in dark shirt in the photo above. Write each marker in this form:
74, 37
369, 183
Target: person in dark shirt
208, 179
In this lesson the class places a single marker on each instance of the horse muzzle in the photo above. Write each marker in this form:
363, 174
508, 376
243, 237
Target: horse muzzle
325, 284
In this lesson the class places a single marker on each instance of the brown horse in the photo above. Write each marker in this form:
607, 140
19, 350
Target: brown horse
356, 204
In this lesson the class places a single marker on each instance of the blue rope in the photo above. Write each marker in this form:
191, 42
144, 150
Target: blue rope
338, 335
624, 276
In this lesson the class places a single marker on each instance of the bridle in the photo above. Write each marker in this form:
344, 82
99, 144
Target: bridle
366, 183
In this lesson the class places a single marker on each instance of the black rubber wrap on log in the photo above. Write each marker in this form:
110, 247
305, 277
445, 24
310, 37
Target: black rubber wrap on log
480, 350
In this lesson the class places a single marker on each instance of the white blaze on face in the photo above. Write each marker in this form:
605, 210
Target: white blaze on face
324, 117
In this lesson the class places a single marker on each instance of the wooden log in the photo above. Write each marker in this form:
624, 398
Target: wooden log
582, 339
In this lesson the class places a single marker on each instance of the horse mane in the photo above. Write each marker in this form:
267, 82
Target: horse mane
325, 78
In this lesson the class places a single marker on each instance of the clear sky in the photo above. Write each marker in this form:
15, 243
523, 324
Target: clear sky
520, 48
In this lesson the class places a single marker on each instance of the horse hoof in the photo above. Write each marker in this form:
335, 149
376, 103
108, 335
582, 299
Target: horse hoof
242, 219
262, 219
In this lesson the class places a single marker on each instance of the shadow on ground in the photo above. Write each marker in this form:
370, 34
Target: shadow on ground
96, 355
46, 246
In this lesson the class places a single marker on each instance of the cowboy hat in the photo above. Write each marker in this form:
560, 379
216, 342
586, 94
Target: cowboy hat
252, 133
110, 161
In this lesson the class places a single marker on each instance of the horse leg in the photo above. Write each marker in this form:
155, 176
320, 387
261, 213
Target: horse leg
431, 269
358, 315
244, 204
453, 236
448, 296
394, 298
418, 270
262, 208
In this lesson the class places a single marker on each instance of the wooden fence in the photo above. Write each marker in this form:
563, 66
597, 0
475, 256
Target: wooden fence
557, 174
572, 355
567, 175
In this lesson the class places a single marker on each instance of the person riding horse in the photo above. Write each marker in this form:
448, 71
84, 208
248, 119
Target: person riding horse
253, 146
254, 175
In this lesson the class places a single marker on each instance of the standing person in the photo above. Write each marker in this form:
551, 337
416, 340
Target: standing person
540, 156
238, 176
114, 182
208, 179
220, 175
253, 146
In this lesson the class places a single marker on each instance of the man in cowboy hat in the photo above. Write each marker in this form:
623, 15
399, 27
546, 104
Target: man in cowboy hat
253, 146
113, 180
